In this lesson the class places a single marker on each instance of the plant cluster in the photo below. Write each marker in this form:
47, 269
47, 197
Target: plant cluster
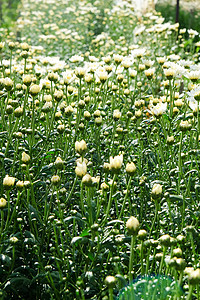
100, 172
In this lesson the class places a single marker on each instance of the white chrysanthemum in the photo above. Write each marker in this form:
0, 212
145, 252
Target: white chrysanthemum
116, 162
76, 58
159, 109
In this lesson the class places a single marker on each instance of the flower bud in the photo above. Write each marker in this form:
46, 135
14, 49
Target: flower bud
197, 96
3, 203
98, 121
25, 158
180, 264
9, 109
24, 54
87, 180
194, 277
81, 169
170, 140
165, 240
27, 80
81, 147
177, 252
34, 90
55, 180
156, 191
110, 281
59, 163
61, 128
58, 95
18, 112
132, 225
13, 240
116, 114
20, 185
116, 163
8, 83
8, 182
142, 234
87, 115
130, 168
185, 125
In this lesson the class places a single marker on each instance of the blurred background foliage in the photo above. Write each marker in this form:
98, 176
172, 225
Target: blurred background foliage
189, 13
8, 12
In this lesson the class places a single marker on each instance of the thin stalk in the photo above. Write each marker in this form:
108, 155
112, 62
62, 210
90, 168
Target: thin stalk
189, 296
125, 198
109, 201
133, 237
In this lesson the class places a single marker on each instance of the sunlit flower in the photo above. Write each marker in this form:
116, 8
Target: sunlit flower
159, 109
132, 225
8, 182
116, 163
81, 169
81, 147
156, 191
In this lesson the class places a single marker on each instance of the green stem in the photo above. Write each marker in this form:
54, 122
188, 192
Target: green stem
155, 217
109, 201
110, 290
162, 260
189, 296
125, 198
131, 259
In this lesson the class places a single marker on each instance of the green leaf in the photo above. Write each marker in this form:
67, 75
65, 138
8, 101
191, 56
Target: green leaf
85, 233
78, 239
90, 256
176, 197
6, 260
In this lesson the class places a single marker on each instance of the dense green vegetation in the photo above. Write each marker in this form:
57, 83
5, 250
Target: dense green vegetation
8, 12
187, 18
99, 154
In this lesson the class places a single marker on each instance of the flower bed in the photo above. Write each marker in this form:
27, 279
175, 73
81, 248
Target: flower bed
99, 154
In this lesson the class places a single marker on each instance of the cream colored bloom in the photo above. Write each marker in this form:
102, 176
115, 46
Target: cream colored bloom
80, 147
159, 109
3, 203
116, 163
116, 114
81, 169
8, 182
25, 158
156, 191
169, 73
87, 180
132, 225
131, 168
34, 89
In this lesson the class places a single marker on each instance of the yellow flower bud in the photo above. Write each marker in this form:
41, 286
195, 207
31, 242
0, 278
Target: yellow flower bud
8, 182
87, 180
81, 147
132, 225
34, 89
130, 168
59, 163
110, 281
3, 203
156, 191
55, 180
116, 163
25, 158
81, 169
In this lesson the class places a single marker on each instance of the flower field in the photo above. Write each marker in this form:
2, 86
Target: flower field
100, 145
